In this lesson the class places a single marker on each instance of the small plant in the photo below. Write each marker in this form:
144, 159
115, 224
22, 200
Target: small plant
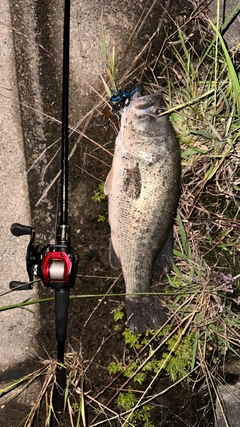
101, 218
177, 361
182, 359
99, 195
118, 315
138, 417
145, 357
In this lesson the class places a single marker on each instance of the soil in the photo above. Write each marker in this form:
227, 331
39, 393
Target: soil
91, 337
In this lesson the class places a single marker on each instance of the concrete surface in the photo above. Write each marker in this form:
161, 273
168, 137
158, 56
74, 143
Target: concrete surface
227, 405
232, 32
17, 326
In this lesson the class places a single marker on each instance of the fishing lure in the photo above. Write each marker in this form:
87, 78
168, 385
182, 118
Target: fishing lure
121, 98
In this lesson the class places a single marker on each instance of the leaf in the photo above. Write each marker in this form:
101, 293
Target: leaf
183, 235
231, 69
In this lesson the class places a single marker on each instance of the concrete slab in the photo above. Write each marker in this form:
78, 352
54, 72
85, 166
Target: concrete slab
232, 32
17, 326
227, 405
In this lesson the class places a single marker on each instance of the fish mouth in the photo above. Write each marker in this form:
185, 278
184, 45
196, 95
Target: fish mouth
147, 105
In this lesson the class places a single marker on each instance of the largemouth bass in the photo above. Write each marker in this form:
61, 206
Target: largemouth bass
143, 188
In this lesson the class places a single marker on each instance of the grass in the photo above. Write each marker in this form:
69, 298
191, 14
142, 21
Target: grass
203, 96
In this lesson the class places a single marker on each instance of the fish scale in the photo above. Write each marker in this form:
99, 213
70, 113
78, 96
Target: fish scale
143, 189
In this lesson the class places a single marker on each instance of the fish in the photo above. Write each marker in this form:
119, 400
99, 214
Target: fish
143, 189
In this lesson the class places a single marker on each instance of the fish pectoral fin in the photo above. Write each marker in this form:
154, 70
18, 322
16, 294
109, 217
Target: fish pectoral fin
108, 183
113, 258
164, 260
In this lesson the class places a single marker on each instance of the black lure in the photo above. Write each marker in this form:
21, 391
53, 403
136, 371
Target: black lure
122, 97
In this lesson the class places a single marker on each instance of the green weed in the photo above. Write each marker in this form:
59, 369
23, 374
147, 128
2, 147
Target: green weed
99, 195
127, 402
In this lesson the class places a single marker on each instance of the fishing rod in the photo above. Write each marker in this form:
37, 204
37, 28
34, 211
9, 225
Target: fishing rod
56, 264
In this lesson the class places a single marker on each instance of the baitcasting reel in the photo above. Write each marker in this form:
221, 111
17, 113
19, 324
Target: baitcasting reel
55, 264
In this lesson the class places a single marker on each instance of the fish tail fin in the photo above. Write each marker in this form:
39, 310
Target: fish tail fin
144, 312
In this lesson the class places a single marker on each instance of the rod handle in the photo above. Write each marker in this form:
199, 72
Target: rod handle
59, 389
